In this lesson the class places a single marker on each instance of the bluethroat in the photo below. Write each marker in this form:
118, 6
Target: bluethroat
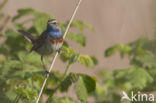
49, 41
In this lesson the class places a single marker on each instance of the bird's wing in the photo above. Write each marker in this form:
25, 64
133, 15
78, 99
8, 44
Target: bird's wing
40, 41
28, 36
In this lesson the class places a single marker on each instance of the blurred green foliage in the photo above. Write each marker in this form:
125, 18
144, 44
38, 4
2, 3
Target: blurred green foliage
139, 77
21, 73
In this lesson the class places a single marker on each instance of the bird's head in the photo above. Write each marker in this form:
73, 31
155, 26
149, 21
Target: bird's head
53, 28
52, 25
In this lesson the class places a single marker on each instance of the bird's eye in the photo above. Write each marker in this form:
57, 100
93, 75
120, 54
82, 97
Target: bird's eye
54, 23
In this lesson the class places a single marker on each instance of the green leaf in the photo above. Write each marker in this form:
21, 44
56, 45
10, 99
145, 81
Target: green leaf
14, 64
11, 33
88, 26
23, 12
137, 77
2, 58
123, 49
147, 60
67, 53
111, 50
100, 92
55, 78
4, 50
30, 94
79, 38
13, 46
65, 100
74, 58
80, 25
29, 57
32, 30
86, 60
65, 44
94, 59
150, 45
19, 26
67, 82
74, 77
11, 66
81, 90
107, 78
40, 21
7, 96
89, 82
63, 26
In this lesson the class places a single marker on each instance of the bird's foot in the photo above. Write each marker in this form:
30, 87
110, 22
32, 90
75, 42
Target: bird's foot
47, 72
59, 50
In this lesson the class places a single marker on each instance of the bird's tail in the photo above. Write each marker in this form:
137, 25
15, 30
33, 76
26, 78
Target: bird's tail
28, 36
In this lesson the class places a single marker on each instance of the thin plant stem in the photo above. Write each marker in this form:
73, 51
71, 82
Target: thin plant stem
18, 97
54, 59
63, 76
61, 80
65, 72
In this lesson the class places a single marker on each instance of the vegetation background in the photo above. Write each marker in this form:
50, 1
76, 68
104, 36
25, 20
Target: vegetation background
116, 23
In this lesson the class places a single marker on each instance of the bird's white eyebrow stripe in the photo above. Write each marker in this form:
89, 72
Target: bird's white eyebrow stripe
54, 21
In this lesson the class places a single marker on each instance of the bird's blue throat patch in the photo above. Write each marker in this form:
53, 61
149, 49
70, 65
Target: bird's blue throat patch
54, 32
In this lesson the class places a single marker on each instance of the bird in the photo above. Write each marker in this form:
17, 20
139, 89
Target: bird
49, 42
